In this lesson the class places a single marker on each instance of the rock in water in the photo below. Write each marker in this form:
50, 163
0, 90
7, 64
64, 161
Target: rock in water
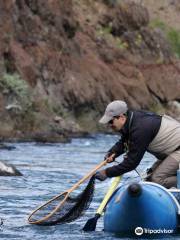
8, 170
6, 147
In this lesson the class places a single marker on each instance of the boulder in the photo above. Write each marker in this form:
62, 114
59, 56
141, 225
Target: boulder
6, 147
8, 170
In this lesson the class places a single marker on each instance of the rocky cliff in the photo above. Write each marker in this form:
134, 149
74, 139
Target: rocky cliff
63, 61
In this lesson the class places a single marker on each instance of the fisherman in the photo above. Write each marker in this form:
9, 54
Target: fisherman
142, 131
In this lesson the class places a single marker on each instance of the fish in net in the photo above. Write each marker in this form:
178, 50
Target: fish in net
64, 208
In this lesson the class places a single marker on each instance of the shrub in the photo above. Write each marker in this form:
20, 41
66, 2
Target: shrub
174, 38
156, 23
172, 35
12, 84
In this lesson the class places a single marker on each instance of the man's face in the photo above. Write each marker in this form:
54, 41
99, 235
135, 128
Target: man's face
117, 123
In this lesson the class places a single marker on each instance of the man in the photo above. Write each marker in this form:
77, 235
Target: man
143, 131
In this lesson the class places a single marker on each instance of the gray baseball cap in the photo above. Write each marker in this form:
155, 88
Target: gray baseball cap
113, 109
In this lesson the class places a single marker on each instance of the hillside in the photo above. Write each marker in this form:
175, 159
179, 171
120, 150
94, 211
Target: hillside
63, 61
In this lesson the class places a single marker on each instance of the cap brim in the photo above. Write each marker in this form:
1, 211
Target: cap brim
105, 119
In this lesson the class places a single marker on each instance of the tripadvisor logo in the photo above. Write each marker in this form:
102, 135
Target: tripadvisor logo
139, 231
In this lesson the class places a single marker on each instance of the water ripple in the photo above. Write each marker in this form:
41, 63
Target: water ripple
50, 169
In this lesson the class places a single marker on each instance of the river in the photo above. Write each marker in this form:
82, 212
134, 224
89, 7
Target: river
49, 169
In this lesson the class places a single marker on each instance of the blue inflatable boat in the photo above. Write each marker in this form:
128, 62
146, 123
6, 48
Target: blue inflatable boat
143, 208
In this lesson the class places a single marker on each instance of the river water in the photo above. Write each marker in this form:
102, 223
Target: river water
49, 169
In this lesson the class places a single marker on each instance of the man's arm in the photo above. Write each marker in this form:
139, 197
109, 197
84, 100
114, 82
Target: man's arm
137, 147
117, 149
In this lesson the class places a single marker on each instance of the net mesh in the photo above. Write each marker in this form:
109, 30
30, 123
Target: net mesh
71, 209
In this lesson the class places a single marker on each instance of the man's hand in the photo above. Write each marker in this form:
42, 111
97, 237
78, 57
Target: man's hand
101, 175
110, 158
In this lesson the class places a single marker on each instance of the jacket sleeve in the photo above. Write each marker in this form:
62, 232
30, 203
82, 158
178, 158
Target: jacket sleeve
137, 147
118, 148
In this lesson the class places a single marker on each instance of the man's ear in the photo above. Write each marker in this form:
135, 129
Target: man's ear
124, 117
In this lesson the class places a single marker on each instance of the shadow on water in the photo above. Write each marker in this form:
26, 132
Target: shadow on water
50, 169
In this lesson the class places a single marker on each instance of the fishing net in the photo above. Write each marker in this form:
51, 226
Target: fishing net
64, 208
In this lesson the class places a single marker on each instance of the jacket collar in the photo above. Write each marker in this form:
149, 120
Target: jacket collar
126, 128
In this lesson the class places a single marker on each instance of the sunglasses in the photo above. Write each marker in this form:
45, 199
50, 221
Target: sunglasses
111, 122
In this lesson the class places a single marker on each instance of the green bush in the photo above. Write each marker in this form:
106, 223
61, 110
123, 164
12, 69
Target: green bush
104, 31
157, 107
174, 38
121, 44
13, 85
156, 23
172, 35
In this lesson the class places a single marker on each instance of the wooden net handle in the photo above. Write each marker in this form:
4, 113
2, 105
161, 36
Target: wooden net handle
92, 172
66, 195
